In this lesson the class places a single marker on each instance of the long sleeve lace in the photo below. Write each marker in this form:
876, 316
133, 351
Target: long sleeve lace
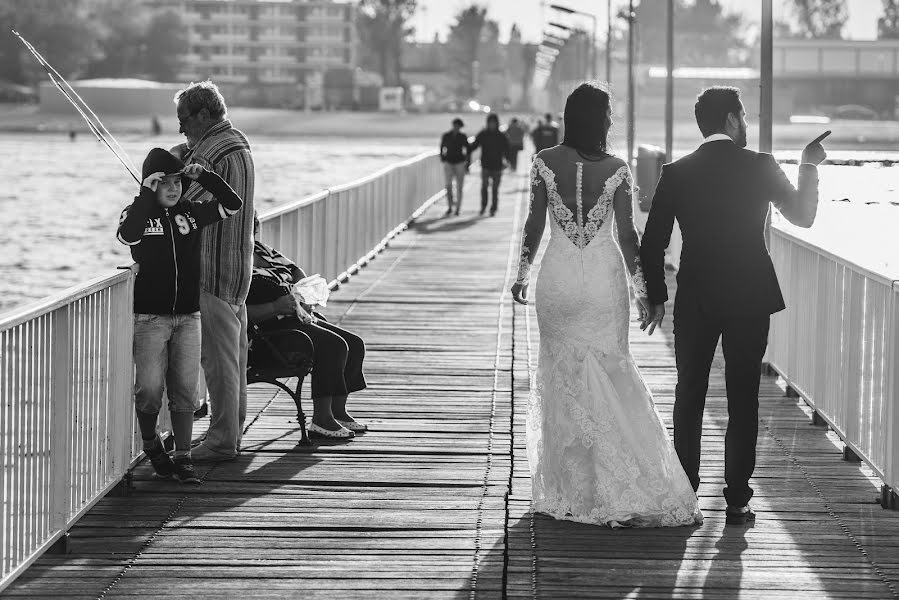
532, 232
628, 239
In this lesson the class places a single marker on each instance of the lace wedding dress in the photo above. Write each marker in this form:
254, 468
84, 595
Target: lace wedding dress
597, 448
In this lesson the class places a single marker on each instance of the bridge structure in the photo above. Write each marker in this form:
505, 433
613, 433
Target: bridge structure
434, 501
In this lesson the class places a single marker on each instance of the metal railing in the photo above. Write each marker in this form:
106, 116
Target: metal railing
67, 424
837, 346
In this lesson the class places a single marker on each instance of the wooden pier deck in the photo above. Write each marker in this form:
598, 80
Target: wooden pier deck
434, 502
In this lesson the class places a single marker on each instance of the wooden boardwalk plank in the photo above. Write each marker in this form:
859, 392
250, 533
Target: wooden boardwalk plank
434, 502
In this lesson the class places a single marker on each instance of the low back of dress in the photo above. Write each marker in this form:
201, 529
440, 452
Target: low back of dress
582, 281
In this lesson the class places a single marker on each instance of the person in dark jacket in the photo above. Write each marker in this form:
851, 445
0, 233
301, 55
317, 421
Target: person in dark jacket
515, 132
162, 230
455, 155
545, 134
727, 287
494, 147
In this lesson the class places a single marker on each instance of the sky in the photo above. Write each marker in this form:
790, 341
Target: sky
435, 16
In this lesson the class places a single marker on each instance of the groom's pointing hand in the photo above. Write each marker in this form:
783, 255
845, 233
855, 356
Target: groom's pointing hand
814, 153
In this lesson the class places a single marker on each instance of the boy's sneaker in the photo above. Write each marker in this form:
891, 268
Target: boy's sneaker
184, 470
161, 461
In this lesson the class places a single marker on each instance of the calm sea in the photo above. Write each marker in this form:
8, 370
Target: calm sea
60, 204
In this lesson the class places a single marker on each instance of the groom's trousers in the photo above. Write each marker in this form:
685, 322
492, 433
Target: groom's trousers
743, 341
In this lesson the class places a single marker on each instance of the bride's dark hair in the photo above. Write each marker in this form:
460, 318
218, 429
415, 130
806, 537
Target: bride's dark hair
586, 125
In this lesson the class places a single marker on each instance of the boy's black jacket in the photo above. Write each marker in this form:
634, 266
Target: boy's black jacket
165, 242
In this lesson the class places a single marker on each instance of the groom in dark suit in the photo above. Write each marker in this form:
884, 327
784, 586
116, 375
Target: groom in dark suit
726, 284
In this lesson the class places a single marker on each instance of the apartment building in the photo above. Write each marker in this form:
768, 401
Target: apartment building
279, 52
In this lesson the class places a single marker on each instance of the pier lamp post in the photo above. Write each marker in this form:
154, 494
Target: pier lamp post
571, 11
631, 18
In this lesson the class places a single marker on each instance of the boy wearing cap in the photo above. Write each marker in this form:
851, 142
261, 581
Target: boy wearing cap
455, 155
163, 233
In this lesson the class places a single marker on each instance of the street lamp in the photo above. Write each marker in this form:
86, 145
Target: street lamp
571, 11
631, 18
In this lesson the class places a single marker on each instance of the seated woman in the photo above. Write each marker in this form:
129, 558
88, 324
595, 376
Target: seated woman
338, 353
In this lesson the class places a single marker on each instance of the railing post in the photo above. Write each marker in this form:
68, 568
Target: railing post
61, 420
121, 368
891, 468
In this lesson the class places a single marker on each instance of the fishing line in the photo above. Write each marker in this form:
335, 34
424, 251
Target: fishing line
104, 136
57, 78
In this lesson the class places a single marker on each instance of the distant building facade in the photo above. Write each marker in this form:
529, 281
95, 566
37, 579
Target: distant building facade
271, 52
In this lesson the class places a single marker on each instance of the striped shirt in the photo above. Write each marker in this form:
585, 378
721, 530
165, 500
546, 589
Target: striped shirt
227, 246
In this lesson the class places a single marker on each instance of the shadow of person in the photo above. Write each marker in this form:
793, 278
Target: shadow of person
549, 558
725, 572
443, 224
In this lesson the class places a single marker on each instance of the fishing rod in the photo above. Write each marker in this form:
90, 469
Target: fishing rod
98, 129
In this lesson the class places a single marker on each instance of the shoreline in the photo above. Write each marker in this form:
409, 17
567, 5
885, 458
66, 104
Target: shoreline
864, 136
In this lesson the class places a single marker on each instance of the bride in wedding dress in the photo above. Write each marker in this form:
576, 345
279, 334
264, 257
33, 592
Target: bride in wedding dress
597, 448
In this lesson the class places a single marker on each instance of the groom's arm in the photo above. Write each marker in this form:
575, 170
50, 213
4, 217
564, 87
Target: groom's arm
656, 237
799, 206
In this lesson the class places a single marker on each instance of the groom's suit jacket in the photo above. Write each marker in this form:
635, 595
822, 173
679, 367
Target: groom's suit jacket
719, 195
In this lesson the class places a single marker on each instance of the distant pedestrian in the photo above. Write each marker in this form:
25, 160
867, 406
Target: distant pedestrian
226, 264
494, 147
546, 134
155, 125
515, 132
455, 154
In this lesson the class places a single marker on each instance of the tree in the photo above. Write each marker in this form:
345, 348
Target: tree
165, 43
120, 47
59, 30
383, 27
820, 18
473, 48
704, 34
520, 61
888, 24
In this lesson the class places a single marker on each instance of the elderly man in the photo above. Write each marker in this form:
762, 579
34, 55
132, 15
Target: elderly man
226, 264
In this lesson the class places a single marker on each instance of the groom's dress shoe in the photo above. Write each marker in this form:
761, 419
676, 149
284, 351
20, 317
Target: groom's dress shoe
739, 515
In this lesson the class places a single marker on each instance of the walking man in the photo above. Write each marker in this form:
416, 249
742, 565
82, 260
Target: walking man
494, 147
455, 155
726, 286
226, 264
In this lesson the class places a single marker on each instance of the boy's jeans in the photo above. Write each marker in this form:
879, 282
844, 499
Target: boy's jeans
166, 358
224, 359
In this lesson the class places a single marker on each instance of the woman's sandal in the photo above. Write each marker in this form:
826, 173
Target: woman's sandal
340, 434
353, 426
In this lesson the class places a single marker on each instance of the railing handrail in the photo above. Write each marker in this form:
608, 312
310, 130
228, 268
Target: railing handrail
319, 196
847, 262
59, 299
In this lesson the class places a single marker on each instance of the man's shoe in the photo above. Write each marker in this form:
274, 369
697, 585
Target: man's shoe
163, 467
482, 212
203, 454
448, 212
184, 470
739, 515
457, 212
492, 213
